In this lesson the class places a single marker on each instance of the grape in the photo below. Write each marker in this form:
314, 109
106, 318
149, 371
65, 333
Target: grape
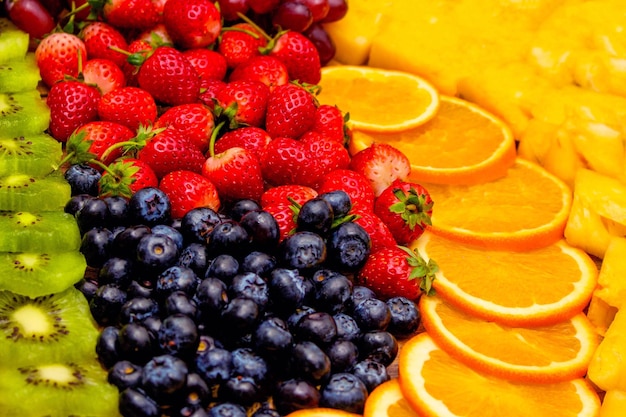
30, 16
336, 11
322, 41
292, 15
319, 8
230, 8
263, 6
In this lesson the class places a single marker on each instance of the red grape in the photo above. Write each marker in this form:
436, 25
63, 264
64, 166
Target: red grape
337, 9
319, 8
30, 16
322, 41
263, 6
292, 15
230, 8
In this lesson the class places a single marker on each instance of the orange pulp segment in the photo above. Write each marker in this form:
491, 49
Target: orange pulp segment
531, 288
437, 385
461, 144
387, 400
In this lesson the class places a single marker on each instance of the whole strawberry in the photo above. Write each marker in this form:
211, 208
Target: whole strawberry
72, 104
236, 173
299, 55
169, 77
170, 150
126, 176
264, 68
251, 138
192, 23
104, 41
290, 111
194, 120
381, 164
58, 55
240, 42
104, 74
130, 106
102, 135
397, 272
242, 103
210, 65
406, 208
131, 14
188, 190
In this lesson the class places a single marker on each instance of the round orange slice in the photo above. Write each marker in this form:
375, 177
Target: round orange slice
437, 385
378, 100
387, 400
461, 144
526, 209
554, 353
532, 288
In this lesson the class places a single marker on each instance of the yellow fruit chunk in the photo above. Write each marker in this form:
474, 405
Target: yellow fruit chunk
612, 276
600, 314
387, 400
321, 412
613, 404
607, 368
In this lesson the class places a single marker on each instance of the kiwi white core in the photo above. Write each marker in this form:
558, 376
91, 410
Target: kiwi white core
58, 373
33, 321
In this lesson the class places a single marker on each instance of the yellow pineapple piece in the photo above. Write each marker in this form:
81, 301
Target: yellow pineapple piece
600, 314
607, 368
613, 404
612, 275
585, 229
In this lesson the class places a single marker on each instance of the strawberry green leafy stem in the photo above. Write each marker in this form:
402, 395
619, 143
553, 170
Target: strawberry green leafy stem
421, 269
412, 207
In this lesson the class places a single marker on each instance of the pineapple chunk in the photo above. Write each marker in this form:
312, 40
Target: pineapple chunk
612, 276
613, 404
585, 228
607, 368
600, 314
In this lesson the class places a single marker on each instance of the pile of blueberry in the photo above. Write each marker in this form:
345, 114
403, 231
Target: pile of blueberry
210, 315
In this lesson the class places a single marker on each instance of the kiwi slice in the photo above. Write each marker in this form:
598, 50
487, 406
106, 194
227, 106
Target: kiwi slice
36, 155
36, 274
23, 113
57, 389
29, 193
13, 41
19, 75
45, 231
52, 327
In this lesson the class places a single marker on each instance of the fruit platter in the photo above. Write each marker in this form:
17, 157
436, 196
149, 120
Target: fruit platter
299, 208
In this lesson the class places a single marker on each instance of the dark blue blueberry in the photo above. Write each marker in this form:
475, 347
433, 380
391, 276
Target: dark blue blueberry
88, 287
295, 394
172, 233
135, 403
137, 309
405, 317
106, 304
96, 245
343, 355
296, 315
348, 246
318, 327
211, 297
265, 410
339, 201
164, 375
344, 391
125, 374
116, 271
378, 345
372, 314
315, 215
118, 210
125, 242
261, 263
371, 373
262, 229
250, 285
229, 237
180, 302
246, 362
198, 223
360, 293
241, 207
240, 316
214, 365
156, 253
136, 343
176, 278
347, 327
304, 251
272, 337
107, 346
140, 289
308, 361
227, 409
83, 179
179, 336
332, 292
240, 390
153, 324
287, 290
194, 256
75, 203
196, 394
149, 206
223, 267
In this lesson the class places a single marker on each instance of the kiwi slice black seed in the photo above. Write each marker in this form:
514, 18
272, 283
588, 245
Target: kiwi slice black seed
23, 192
36, 274
19, 75
37, 155
53, 327
13, 41
23, 113
57, 389
46, 231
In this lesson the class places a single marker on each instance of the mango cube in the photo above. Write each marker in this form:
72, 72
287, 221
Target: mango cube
607, 368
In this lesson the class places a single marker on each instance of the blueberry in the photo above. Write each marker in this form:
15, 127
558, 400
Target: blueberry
250, 285
318, 327
140, 289
272, 337
246, 362
149, 206
196, 393
135, 403
107, 346
308, 361
348, 246
136, 343
195, 256
303, 251
125, 374
241, 390
176, 278
88, 287
76, 202
180, 302
118, 210
227, 409
360, 293
179, 336
197, 224
332, 292
297, 314
315, 215
371, 373
343, 355
172, 233
378, 345
295, 394
156, 253
372, 314
96, 246
223, 267
125, 242
106, 304
242, 207
137, 309
261, 263
339, 201
214, 365
153, 324
211, 296
83, 179
116, 271
265, 410
240, 316
164, 375
405, 317
344, 391
347, 327
262, 228
287, 289
229, 237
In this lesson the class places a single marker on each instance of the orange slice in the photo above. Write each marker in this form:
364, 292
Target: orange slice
321, 412
387, 400
437, 385
378, 100
532, 288
461, 144
554, 353
527, 209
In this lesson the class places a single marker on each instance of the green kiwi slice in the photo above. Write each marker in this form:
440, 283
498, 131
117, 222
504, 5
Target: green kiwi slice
13, 41
23, 192
23, 113
36, 155
57, 389
19, 75
37, 274
53, 327
45, 231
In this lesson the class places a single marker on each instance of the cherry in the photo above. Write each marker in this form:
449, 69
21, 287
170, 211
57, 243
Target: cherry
30, 16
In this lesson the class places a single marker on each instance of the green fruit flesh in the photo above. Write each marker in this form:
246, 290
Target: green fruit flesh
49, 231
57, 389
36, 155
13, 42
19, 75
37, 274
23, 113
22, 192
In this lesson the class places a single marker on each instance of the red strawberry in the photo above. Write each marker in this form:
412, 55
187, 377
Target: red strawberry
285, 215
104, 41
379, 233
406, 209
72, 104
104, 74
169, 77
397, 272
58, 55
240, 42
236, 173
209, 64
288, 161
188, 190
330, 122
382, 164
192, 23
264, 68
243, 103
209, 91
193, 120
170, 150
251, 138
355, 184
131, 14
130, 106
290, 111
125, 176
104, 134
331, 155
138, 51
156, 36
283, 193
299, 55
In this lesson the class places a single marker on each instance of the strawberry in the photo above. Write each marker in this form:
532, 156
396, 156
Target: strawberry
331, 155
397, 272
169, 77
288, 161
209, 64
126, 176
138, 50
379, 233
188, 190
355, 184
406, 209
243, 103
156, 35
169, 150
290, 111
240, 42
194, 120
286, 194
102, 135
104, 41
236, 173
209, 90
251, 138
72, 104
298, 54
382, 164
192, 23
329, 121
131, 14
130, 106
285, 215
60, 54
104, 74
264, 68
